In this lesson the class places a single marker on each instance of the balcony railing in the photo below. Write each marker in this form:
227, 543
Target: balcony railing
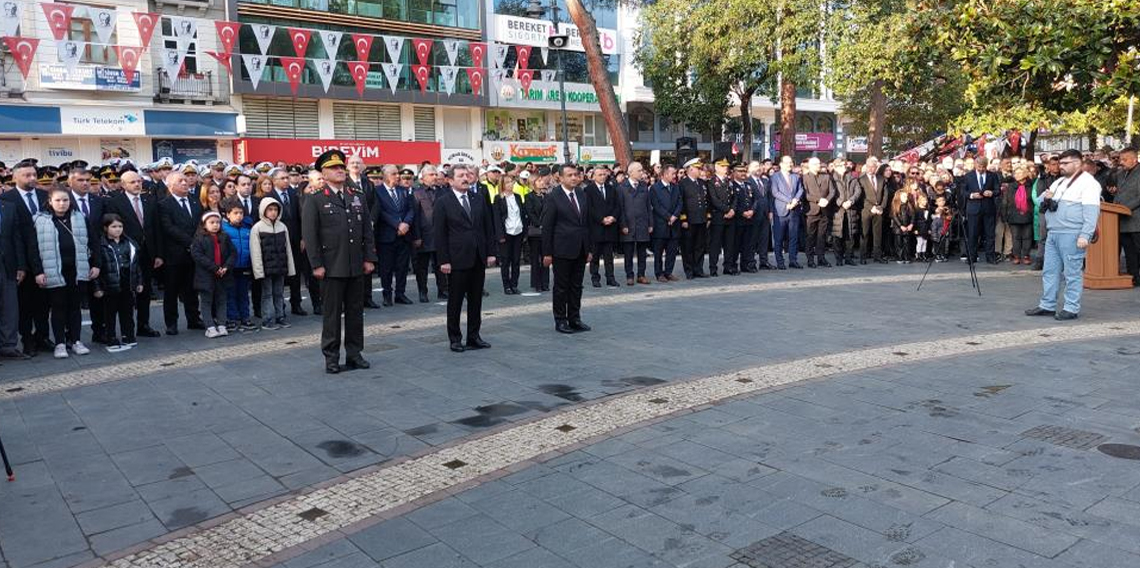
189, 88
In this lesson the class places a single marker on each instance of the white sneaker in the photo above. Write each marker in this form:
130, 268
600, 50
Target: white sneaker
80, 349
61, 351
222, 331
211, 332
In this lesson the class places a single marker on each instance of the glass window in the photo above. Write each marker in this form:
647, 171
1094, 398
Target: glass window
805, 124
825, 124
420, 11
83, 30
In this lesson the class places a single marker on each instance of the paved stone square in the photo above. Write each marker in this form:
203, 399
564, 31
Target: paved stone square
817, 418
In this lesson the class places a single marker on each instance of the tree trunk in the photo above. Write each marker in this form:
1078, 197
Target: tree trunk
1031, 146
600, 79
787, 118
876, 120
746, 124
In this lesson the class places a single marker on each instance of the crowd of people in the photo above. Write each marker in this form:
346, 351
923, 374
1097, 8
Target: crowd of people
231, 243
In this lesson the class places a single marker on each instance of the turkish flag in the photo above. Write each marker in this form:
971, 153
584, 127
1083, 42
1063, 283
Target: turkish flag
145, 22
224, 59
523, 52
23, 50
423, 49
293, 67
525, 76
300, 39
475, 76
478, 52
423, 74
58, 18
359, 71
363, 43
128, 60
227, 34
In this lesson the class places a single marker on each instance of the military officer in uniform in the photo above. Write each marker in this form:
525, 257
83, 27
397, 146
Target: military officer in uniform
337, 231
694, 220
722, 220
745, 220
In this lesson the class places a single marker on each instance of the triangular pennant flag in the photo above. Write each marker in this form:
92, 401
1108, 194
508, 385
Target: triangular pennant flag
300, 40
363, 43
447, 75
423, 50
227, 35
69, 52
145, 22
500, 75
392, 72
394, 45
171, 59
224, 59
478, 52
501, 55
184, 27
325, 69
10, 18
103, 20
128, 59
423, 75
548, 75
359, 72
451, 47
293, 67
23, 50
545, 54
263, 33
332, 42
58, 18
255, 66
475, 77
523, 53
525, 76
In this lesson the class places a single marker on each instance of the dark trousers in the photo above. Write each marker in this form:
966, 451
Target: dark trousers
96, 312
142, 299
568, 274
342, 296
539, 274
465, 285
746, 245
603, 252
872, 235
817, 231
33, 315
631, 250
722, 238
787, 227
664, 256
1022, 239
904, 246
844, 248
9, 310
179, 284
66, 312
394, 257
694, 244
420, 266
255, 293
119, 304
763, 239
980, 229
510, 255
1131, 243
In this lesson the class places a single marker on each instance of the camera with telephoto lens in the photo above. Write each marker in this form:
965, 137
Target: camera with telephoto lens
1048, 205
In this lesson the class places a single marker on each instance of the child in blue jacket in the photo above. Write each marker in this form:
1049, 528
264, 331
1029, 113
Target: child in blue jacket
237, 299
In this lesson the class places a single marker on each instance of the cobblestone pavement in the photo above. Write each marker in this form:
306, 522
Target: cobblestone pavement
111, 465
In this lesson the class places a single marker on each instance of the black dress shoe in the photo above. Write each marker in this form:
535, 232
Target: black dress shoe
360, 363
1039, 311
545, 289
371, 304
579, 326
45, 345
486, 293
597, 283
1065, 316
825, 264
781, 267
713, 274
199, 325
457, 347
404, 300
172, 331
299, 311
796, 265
387, 303
612, 282
441, 295
811, 263
318, 311
563, 327
863, 261
148, 332
424, 298
333, 368
13, 353
478, 343
850, 262
881, 260
30, 352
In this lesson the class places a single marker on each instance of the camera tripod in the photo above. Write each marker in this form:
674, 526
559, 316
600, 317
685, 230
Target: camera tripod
7, 465
961, 225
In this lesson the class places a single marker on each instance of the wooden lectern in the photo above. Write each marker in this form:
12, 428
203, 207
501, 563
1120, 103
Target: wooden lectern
1102, 264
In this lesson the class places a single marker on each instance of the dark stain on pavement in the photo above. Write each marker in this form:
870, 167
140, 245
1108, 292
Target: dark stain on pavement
631, 382
337, 449
422, 430
565, 392
181, 471
491, 415
185, 517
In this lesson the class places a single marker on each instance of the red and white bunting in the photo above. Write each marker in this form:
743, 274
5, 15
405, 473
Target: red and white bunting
224, 59
363, 43
69, 52
145, 22
423, 50
293, 66
332, 42
447, 74
500, 55
478, 52
451, 48
23, 50
325, 69
300, 40
525, 76
103, 20
545, 51
423, 75
475, 77
394, 45
227, 35
10, 18
359, 72
172, 58
184, 27
58, 18
392, 72
263, 33
523, 53
128, 56
254, 65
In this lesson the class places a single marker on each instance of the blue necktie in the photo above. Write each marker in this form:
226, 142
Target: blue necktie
31, 203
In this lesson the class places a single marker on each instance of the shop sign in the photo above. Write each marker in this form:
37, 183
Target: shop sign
597, 155
181, 151
87, 78
102, 120
306, 151
526, 31
460, 156
811, 142
526, 152
543, 94
857, 145
60, 153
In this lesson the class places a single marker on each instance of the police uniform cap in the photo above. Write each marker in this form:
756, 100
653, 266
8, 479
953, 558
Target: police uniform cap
188, 168
723, 162
164, 164
233, 170
76, 165
693, 163
297, 169
331, 159
407, 172
264, 167
739, 166
374, 170
27, 163
108, 171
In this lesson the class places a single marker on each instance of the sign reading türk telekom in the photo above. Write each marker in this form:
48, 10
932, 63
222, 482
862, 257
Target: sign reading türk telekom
305, 151
526, 31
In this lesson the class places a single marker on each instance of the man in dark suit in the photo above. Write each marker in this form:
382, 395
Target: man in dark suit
178, 218
980, 192
820, 193
787, 198
566, 240
636, 223
423, 233
88, 202
757, 181
33, 311
156, 187
875, 202
464, 233
605, 216
13, 270
665, 201
722, 220
139, 212
337, 230
694, 220
291, 215
392, 219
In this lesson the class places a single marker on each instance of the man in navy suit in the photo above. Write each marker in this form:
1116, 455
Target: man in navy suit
392, 220
759, 185
88, 202
13, 270
980, 192
665, 201
567, 242
787, 195
465, 245
33, 304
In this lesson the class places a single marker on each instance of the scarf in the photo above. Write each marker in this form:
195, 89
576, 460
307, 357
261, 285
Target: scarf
1021, 199
217, 250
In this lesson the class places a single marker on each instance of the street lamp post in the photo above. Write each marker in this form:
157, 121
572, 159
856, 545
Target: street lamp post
536, 11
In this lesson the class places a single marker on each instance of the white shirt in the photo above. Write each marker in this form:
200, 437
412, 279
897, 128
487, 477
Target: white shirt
513, 223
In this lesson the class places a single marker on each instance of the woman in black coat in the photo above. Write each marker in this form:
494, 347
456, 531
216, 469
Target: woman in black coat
1017, 210
510, 228
537, 202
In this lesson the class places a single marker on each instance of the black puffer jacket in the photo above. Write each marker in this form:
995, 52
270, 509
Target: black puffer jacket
119, 259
